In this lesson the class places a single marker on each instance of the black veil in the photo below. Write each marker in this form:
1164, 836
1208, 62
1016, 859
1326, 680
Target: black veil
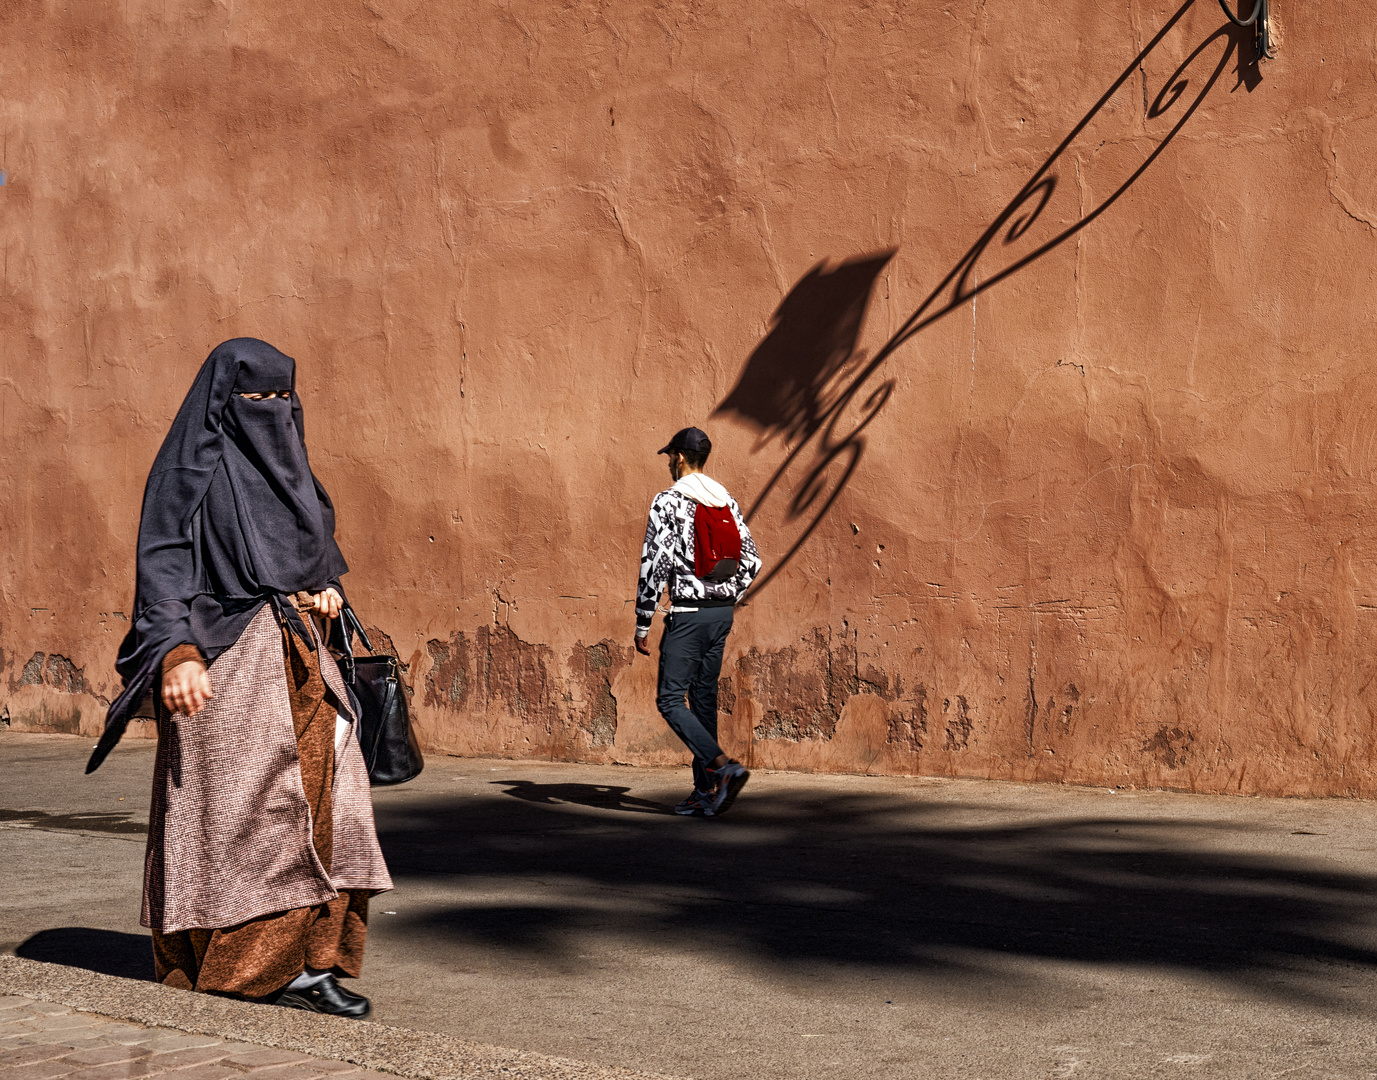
233, 518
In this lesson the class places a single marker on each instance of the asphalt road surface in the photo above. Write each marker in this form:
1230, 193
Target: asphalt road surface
829, 927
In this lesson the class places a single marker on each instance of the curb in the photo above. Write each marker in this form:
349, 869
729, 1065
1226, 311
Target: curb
424, 1055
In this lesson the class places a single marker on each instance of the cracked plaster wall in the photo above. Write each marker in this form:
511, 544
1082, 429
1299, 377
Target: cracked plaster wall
1113, 525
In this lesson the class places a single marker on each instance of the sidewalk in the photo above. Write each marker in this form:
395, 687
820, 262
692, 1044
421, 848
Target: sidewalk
42, 1041
828, 928
69, 1024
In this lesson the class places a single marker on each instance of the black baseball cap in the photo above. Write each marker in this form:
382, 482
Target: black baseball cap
691, 440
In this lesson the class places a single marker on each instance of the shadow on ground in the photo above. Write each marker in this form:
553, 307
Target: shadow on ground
119, 824
108, 952
880, 881
603, 796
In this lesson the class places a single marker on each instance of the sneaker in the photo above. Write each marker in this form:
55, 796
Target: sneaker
698, 804
731, 778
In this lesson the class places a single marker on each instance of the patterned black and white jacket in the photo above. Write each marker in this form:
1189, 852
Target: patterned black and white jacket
667, 556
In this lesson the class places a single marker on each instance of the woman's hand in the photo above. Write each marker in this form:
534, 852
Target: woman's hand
186, 688
327, 604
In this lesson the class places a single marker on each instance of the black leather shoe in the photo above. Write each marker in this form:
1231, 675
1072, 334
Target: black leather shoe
327, 996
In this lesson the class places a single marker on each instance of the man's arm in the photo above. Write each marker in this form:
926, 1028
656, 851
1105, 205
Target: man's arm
656, 555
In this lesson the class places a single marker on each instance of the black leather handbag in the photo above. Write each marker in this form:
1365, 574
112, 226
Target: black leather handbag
389, 745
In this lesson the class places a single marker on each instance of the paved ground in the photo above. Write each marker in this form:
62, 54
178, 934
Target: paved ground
829, 927
67, 1022
41, 1041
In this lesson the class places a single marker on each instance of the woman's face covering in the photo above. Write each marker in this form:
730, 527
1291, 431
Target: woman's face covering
263, 428
264, 431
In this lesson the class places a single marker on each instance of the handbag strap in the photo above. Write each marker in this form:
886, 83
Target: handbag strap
388, 696
352, 626
372, 756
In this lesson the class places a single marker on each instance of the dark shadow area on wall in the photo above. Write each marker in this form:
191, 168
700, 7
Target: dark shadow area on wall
812, 342
108, 952
888, 883
807, 384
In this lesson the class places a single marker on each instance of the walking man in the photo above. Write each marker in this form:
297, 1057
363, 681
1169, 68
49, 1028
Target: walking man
696, 544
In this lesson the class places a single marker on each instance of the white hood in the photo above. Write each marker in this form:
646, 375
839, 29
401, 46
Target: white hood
702, 488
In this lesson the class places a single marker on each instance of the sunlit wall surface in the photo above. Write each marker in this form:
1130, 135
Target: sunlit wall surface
1036, 339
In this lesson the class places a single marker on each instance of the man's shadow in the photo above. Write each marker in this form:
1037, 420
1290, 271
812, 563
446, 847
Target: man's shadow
602, 796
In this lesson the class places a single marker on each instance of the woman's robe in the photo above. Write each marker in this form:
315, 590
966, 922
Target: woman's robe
261, 849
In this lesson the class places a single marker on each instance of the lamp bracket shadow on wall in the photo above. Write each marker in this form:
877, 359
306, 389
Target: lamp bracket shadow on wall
1260, 21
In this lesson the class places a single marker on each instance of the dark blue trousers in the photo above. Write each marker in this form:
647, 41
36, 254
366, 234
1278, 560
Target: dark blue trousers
690, 664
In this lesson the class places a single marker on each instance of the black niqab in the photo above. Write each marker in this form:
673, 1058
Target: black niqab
233, 518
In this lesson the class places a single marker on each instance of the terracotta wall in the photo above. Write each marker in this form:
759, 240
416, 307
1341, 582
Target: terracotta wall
1038, 335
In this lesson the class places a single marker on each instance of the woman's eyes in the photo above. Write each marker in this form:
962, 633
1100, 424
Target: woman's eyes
285, 394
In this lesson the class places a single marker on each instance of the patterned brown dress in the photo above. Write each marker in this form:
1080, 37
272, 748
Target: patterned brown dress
262, 852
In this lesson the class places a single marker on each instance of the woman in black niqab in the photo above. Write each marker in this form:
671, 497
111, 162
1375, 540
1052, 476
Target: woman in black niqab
262, 852
233, 518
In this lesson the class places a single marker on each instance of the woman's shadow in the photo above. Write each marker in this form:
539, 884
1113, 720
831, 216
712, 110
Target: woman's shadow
108, 952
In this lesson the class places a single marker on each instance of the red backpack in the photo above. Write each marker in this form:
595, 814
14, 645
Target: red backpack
716, 543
